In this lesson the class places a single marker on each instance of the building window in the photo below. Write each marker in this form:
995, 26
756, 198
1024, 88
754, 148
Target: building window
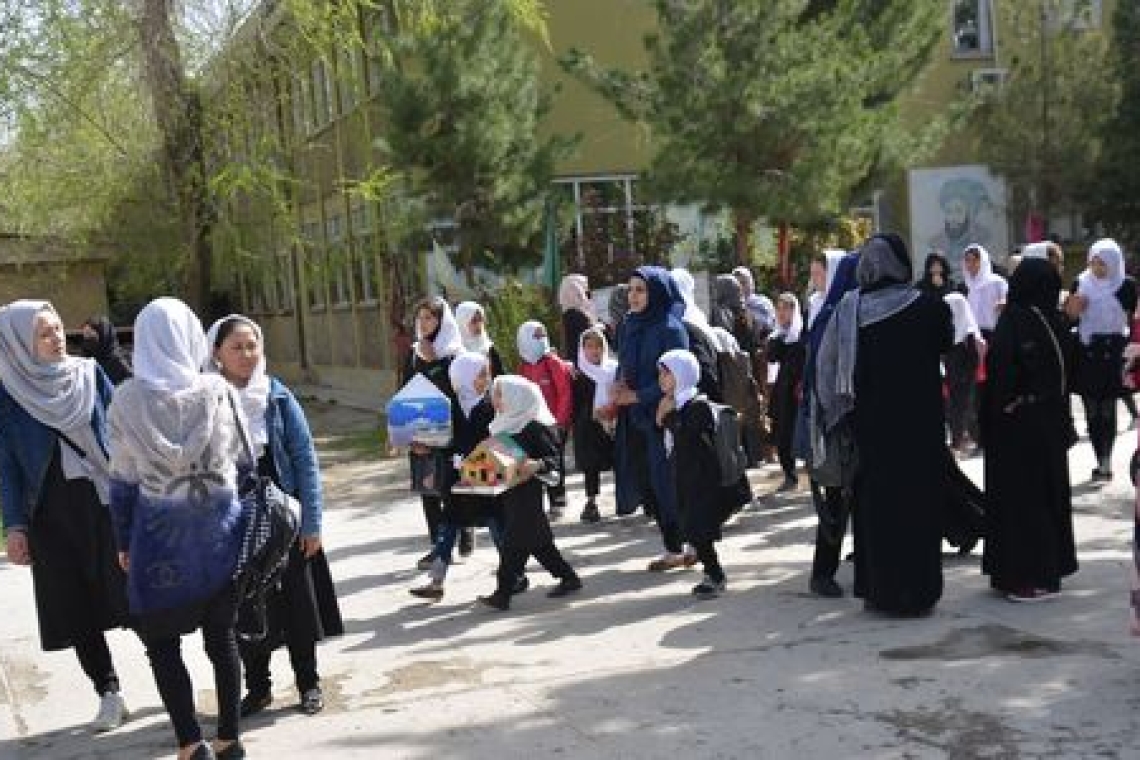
604, 207
1078, 15
973, 28
284, 282
322, 94
360, 220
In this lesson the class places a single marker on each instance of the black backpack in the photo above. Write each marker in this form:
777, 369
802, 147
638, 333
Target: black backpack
731, 460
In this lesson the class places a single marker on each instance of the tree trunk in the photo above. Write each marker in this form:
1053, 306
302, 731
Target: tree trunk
178, 112
742, 220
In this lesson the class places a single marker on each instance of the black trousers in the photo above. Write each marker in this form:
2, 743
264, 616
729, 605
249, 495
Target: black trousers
1100, 413
512, 563
95, 659
833, 509
706, 553
557, 492
173, 679
293, 617
593, 480
433, 515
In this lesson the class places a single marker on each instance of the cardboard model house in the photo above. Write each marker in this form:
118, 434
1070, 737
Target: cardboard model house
494, 462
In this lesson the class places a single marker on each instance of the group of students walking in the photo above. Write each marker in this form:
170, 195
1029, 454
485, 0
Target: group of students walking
124, 500
120, 483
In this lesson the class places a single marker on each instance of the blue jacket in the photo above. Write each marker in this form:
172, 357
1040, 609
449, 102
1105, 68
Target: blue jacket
26, 449
294, 456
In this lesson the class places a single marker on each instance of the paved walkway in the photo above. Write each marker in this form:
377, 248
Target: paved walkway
634, 667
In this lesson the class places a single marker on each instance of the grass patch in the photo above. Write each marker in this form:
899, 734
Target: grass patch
366, 443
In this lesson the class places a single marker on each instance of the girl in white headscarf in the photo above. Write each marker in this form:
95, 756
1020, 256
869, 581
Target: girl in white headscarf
471, 379
437, 342
577, 312
594, 415
985, 290
1103, 302
961, 364
688, 421
521, 415
303, 608
176, 448
53, 488
472, 320
787, 348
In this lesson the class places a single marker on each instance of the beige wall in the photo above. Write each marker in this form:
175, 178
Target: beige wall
76, 289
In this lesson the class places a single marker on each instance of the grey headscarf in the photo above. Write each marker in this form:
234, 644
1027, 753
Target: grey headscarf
61, 395
883, 274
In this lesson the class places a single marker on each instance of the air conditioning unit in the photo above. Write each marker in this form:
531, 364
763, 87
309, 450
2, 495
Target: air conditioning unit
985, 81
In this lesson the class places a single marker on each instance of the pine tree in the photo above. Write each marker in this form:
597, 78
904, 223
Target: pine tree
1117, 188
461, 106
776, 109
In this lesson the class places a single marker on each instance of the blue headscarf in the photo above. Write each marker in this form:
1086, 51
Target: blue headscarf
843, 282
665, 301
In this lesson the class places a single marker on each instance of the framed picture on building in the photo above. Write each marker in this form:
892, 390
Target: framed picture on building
953, 207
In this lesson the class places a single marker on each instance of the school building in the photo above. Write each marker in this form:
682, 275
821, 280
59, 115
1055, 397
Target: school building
334, 306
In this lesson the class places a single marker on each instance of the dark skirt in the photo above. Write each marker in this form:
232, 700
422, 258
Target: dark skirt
1100, 367
79, 586
304, 603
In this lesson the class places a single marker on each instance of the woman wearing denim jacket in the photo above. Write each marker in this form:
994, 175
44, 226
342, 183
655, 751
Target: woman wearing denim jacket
304, 610
53, 498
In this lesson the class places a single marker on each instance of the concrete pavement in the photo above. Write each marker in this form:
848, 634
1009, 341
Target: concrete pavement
633, 667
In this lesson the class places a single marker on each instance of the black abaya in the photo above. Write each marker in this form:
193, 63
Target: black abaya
899, 433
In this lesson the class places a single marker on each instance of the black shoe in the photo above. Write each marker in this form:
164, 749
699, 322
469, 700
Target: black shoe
466, 542
590, 513
431, 591
203, 752
254, 702
498, 601
565, 587
521, 585
710, 589
235, 751
425, 562
312, 701
826, 587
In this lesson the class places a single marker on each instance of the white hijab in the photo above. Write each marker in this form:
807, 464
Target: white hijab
986, 290
602, 374
726, 342
522, 404
686, 374
170, 347
964, 322
531, 348
1035, 251
464, 316
1103, 315
817, 297
254, 396
447, 341
60, 394
791, 334
464, 368
574, 292
688, 287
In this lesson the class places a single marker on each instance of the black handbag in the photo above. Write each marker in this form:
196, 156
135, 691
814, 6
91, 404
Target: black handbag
271, 525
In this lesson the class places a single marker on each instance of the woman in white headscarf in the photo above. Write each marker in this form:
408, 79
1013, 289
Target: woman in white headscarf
1103, 302
985, 290
54, 486
788, 348
961, 364
522, 415
472, 321
303, 609
175, 438
703, 342
438, 341
577, 313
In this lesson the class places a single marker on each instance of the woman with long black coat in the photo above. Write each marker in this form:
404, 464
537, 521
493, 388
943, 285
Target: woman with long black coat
1029, 517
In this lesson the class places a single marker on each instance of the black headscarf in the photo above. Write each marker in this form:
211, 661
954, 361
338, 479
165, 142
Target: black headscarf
1035, 282
926, 284
105, 350
883, 261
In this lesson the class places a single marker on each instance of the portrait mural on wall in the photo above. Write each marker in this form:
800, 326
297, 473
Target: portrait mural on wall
954, 207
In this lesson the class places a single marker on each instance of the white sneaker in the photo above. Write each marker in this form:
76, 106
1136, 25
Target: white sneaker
112, 712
